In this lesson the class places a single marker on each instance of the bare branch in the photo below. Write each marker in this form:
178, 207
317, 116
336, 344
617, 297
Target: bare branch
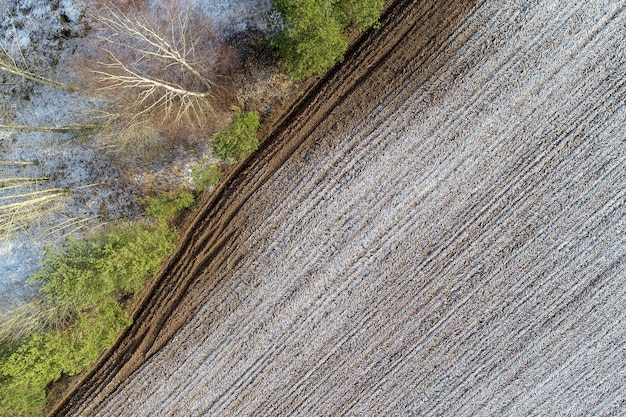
66, 128
153, 59
9, 64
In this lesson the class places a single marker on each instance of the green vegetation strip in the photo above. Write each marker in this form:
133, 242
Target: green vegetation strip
87, 277
165, 206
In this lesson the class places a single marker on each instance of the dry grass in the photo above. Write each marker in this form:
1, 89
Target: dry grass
33, 317
25, 201
137, 139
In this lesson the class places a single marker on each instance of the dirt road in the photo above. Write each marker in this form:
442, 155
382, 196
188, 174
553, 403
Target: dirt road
438, 228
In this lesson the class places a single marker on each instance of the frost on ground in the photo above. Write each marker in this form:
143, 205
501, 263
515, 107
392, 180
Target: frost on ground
95, 188
438, 231
235, 16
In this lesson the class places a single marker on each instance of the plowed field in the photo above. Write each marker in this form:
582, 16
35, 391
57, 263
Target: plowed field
437, 228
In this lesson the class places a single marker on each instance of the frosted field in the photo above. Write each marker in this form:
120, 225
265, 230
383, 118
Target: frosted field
438, 229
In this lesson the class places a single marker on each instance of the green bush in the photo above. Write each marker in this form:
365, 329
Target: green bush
205, 176
238, 139
313, 36
118, 262
312, 40
166, 206
363, 13
86, 276
44, 358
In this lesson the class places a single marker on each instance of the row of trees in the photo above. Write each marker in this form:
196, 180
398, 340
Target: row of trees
165, 61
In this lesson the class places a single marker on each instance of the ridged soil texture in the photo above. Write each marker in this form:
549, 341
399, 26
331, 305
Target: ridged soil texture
437, 228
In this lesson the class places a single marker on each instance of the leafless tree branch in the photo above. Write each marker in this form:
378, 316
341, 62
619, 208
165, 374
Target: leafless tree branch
155, 60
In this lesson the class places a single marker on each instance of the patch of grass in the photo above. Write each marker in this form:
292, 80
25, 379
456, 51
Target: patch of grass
166, 206
86, 277
204, 177
238, 139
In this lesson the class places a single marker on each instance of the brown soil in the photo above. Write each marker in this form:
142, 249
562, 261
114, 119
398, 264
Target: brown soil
436, 227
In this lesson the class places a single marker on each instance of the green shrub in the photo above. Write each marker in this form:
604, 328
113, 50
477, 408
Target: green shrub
118, 262
363, 13
86, 276
238, 139
166, 206
312, 40
313, 37
205, 176
44, 358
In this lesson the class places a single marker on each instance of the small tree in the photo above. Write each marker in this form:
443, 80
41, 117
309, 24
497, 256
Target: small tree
312, 37
205, 176
312, 40
238, 139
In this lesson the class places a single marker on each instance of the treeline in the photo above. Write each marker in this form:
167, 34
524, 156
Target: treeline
313, 33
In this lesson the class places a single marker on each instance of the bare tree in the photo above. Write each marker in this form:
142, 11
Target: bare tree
24, 200
161, 62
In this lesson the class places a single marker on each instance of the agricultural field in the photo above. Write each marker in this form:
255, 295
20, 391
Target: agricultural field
437, 228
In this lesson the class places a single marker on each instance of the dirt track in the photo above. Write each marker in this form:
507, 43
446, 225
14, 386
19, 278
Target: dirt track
438, 228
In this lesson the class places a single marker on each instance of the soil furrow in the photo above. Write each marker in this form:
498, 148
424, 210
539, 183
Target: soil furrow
436, 228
